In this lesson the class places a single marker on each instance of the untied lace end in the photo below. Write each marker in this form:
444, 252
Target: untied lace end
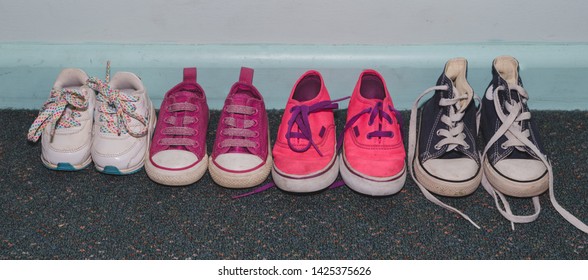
257, 190
270, 185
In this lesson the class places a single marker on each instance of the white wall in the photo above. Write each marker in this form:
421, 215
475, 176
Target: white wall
293, 21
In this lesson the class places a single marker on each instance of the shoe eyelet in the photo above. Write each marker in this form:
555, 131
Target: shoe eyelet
255, 123
219, 146
256, 134
255, 111
256, 145
438, 132
466, 147
503, 146
437, 147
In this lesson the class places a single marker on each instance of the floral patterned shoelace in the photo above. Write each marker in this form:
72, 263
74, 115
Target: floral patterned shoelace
116, 109
52, 112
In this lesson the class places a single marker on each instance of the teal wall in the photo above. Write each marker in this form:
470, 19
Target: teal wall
408, 41
554, 74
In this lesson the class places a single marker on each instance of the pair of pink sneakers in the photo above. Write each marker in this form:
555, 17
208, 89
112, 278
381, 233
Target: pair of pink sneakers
240, 155
305, 154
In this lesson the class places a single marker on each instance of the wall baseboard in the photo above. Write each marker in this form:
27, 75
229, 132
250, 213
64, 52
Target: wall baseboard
554, 74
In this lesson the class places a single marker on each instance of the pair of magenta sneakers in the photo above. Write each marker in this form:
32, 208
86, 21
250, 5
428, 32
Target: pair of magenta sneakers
240, 155
372, 154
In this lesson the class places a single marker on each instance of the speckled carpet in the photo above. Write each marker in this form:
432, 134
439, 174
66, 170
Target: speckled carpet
88, 215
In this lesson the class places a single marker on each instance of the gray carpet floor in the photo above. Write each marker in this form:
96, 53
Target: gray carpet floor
88, 215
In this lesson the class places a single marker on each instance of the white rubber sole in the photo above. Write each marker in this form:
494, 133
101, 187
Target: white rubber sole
371, 185
314, 182
74, 167
515, 188
177, 177
234, 180
443, 187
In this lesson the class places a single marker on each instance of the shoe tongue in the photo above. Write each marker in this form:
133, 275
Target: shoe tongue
462, 104
130, 92
182, 96
241, 97
246, 92
454, 92
508, 93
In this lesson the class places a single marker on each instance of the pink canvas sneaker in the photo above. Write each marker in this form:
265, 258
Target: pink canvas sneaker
241, 154
177, 156
305, 158
373, 154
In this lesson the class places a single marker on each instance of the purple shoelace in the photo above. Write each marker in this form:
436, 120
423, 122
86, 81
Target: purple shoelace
300, 117
375, 111
270, 185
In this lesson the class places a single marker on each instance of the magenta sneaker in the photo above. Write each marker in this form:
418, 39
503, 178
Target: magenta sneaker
305, 155
178, 151
373, 155
240, 155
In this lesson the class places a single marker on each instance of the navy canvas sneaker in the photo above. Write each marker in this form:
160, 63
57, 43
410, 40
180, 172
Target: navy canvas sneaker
514, 161
443, 156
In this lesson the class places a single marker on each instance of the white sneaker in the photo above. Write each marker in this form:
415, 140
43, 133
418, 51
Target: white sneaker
124, 122
65, 123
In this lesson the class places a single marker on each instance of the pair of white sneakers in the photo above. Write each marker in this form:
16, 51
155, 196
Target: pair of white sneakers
86, 119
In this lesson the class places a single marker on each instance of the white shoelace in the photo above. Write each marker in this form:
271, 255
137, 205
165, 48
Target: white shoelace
453, 137
517, 137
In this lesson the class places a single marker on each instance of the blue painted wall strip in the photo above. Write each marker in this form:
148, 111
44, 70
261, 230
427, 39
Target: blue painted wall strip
554, 74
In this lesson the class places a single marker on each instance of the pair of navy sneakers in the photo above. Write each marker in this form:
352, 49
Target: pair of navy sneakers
445, 160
